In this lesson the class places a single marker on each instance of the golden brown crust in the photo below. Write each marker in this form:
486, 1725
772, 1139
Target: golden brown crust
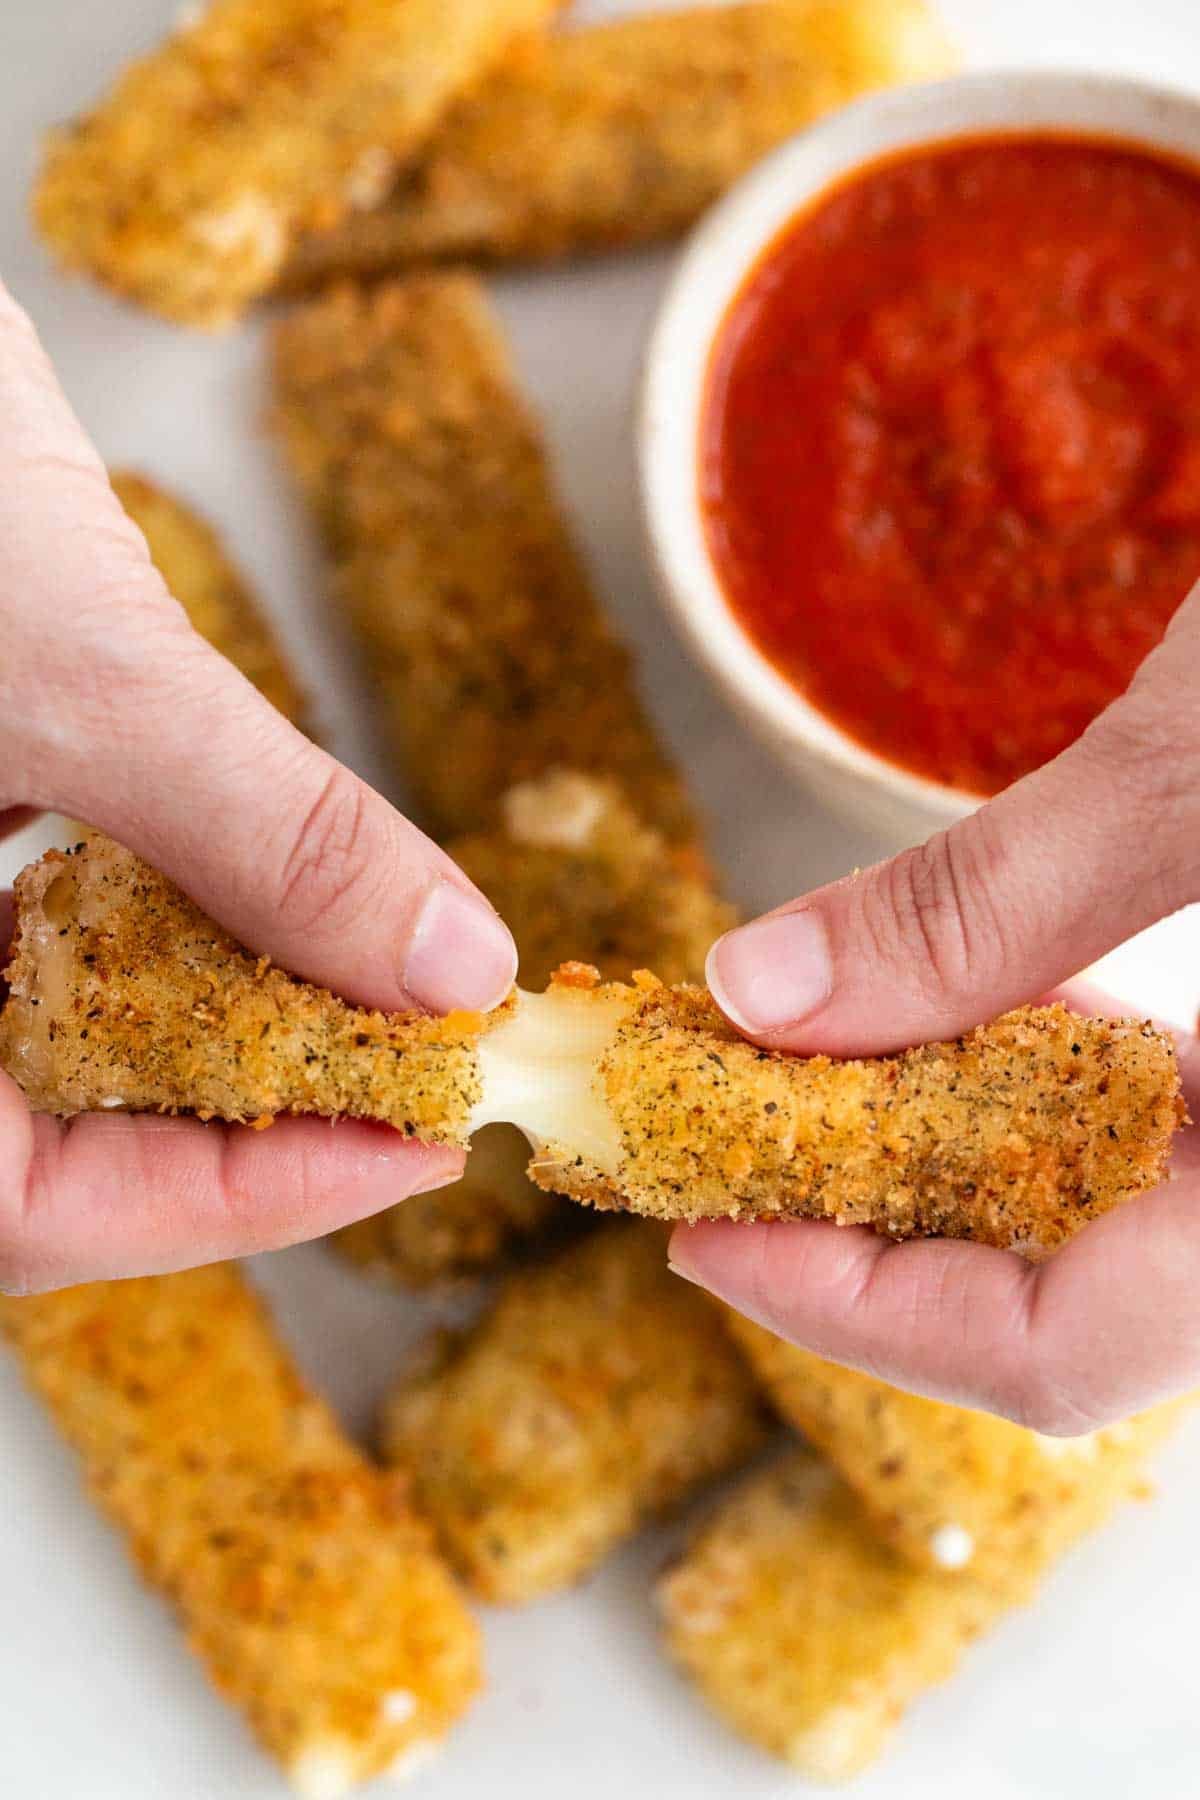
812, 1637
186, 185
305, 1583
482, 639
596, 1394
122, 993
620, 134
490, 1216
943, 1485
1016, 1135
572, 867
570, 864
213, 593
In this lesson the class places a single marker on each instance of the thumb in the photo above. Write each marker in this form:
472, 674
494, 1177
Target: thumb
1005, 905
113, 710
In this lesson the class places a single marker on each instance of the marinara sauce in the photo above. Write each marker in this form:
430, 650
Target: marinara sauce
951, 446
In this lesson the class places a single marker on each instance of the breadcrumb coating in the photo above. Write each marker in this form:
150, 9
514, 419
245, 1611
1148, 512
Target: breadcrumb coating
213, 593
946, 1487
123, 994
572, 868
596, 1394
570, 864
621, 134
186, 186
481, 636
1017, 1135
812, 1637
306, 1584
490, 1216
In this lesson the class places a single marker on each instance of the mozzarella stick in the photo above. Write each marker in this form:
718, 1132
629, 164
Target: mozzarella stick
491, 664
595, 1395
946, 1487
639, 1098
256, 121
570, 864
811, 1637
622, 134
192, 561
490, 1216
304, 1582
482, 638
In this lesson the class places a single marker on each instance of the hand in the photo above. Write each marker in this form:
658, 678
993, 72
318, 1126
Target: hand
112, 710
991, 914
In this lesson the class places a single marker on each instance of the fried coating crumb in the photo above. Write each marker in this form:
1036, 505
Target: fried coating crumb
186, 186
596, 1394
491, 1216
482, 639
812, 1638
306, 1584
946, 1487
123, 994
623, 133
189, 556
1016, 1135
571, 864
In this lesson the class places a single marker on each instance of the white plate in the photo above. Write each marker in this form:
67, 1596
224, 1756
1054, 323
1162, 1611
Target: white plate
1093, 1691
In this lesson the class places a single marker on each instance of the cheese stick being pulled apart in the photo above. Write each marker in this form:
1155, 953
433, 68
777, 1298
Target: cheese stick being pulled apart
622, 133
641, 1098
257, 120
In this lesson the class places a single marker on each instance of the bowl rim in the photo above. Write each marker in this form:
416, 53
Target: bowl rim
712, 270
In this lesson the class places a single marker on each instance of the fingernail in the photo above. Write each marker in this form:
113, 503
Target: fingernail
773, 973
459, 953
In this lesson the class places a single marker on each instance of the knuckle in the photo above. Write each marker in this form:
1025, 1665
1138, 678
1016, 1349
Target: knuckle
932, 915
329, 873
1147, 749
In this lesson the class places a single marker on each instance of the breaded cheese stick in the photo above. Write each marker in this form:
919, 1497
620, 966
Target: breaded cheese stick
570, 864
482, 638
306, 1585
812, 1638
946, 1487
623, 133
489, 1216
432, 1237
124, 995
186, 186
192, 561
596, 1394
642, 1098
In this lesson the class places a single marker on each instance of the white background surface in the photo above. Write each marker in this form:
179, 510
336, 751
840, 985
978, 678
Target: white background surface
1094, 1690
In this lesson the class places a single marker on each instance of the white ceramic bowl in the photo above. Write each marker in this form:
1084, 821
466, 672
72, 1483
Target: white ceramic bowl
899, 807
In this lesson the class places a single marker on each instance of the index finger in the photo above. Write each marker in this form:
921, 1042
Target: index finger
112, 1195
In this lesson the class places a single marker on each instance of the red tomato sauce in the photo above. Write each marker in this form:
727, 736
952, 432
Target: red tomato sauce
950, 457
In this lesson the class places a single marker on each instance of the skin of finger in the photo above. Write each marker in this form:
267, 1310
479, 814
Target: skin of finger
114, 711
110, 1196
1038, 883
1108, 1326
